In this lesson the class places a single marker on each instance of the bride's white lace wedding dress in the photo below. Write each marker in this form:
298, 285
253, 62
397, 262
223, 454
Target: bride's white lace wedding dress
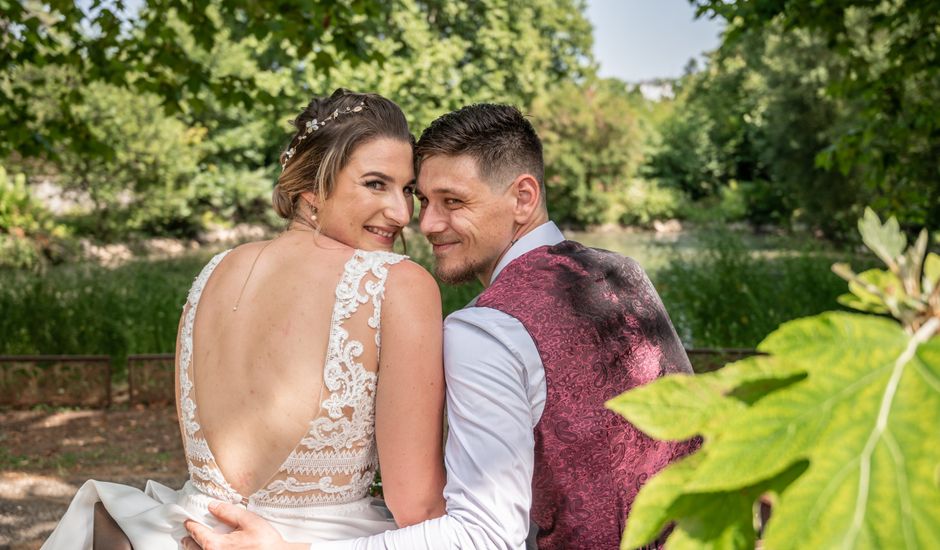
320, 491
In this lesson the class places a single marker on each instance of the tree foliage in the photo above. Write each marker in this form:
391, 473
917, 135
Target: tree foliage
27, 229
836, 425
431, 55
818, 108
593, 141
177, 114
438, 56
148, 52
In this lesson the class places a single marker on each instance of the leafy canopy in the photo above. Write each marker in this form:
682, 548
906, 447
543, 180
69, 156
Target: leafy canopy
149, 51
865, 104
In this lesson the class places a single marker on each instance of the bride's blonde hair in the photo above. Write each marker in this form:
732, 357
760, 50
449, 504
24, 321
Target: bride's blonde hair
328, 132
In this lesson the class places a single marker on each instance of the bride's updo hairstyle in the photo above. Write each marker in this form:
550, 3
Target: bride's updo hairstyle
328, 132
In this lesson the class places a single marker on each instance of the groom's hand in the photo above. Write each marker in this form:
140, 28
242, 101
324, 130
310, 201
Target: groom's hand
249, 531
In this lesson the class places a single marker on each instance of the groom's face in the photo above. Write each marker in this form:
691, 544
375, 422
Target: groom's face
468, 221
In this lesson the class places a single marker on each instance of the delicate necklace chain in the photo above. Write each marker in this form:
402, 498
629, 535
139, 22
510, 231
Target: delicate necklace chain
255, 262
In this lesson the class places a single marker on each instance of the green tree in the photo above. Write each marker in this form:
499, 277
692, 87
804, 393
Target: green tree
430, 55
757, 119
103, 42
594, 136
213, 156
889, 87
27, 230
438, 56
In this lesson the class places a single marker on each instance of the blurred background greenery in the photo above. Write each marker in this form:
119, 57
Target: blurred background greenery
161, 122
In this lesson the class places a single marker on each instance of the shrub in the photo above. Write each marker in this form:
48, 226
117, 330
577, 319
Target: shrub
731, 296
28, 233
644, 201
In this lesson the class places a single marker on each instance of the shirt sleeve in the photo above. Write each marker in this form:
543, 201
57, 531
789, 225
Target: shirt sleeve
495, 394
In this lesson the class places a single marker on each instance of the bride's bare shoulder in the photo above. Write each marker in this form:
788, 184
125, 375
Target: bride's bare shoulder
409, 282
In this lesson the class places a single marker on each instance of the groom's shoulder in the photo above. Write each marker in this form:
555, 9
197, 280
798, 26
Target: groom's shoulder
593, 259
478, 318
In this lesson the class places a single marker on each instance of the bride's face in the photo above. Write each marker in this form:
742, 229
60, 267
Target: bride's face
373, 197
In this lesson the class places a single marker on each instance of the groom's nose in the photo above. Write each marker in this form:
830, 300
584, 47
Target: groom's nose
431, 220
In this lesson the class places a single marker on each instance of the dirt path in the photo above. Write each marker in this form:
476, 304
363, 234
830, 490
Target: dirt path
46, 455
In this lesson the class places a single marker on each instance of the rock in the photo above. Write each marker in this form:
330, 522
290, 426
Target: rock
668, 226
111, 255
240, 233
165, 248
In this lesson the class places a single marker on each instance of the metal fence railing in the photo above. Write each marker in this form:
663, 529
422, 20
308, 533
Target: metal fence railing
79, 380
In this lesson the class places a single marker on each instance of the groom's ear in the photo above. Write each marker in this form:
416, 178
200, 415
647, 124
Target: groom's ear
528, 196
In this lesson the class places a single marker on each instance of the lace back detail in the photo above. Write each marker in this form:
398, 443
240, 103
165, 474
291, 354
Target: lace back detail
336, 459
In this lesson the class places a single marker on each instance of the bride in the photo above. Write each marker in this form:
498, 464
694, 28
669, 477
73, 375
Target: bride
306, 360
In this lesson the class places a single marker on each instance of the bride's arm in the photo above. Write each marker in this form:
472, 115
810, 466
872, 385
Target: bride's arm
410, 396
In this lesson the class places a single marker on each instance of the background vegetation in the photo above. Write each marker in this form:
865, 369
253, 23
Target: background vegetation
166, 122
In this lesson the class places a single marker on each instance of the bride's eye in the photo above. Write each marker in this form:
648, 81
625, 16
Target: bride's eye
375, 184
410, 191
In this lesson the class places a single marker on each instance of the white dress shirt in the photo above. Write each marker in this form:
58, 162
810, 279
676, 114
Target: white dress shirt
495, 397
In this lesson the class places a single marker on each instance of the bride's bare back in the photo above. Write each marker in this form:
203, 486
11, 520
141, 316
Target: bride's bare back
265, 323
259, 370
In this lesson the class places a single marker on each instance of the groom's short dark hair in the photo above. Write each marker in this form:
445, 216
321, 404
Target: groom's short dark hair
498, 137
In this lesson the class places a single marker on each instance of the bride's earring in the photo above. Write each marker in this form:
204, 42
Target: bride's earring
313, 215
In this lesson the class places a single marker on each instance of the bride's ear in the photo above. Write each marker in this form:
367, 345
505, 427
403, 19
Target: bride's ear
311, 199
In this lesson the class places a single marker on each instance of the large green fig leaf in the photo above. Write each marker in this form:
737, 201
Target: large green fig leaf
873, 483
678, 407
717, 520
866, 419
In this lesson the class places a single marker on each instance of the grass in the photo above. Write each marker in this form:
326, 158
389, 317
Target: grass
721, 290
135, 308
733, 294
89, 309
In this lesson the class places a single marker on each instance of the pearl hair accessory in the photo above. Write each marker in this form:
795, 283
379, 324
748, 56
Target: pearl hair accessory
314, 125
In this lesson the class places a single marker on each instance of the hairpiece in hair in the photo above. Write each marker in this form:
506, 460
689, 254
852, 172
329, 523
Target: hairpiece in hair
313, 125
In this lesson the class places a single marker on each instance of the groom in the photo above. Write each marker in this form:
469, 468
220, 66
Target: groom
558, 330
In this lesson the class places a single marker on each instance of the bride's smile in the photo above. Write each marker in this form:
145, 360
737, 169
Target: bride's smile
373, 196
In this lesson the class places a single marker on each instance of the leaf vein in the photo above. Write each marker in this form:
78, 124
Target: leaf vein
823, 499
922, 335
904, 494
928, 376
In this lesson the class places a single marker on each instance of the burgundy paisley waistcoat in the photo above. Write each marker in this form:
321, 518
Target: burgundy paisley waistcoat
600, 329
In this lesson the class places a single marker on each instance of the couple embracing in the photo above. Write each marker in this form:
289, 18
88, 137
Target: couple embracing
306, 361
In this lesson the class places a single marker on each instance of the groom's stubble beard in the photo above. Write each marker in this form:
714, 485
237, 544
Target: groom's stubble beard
466, 272
467, 269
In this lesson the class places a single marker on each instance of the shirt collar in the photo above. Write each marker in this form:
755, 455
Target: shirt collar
545, 234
